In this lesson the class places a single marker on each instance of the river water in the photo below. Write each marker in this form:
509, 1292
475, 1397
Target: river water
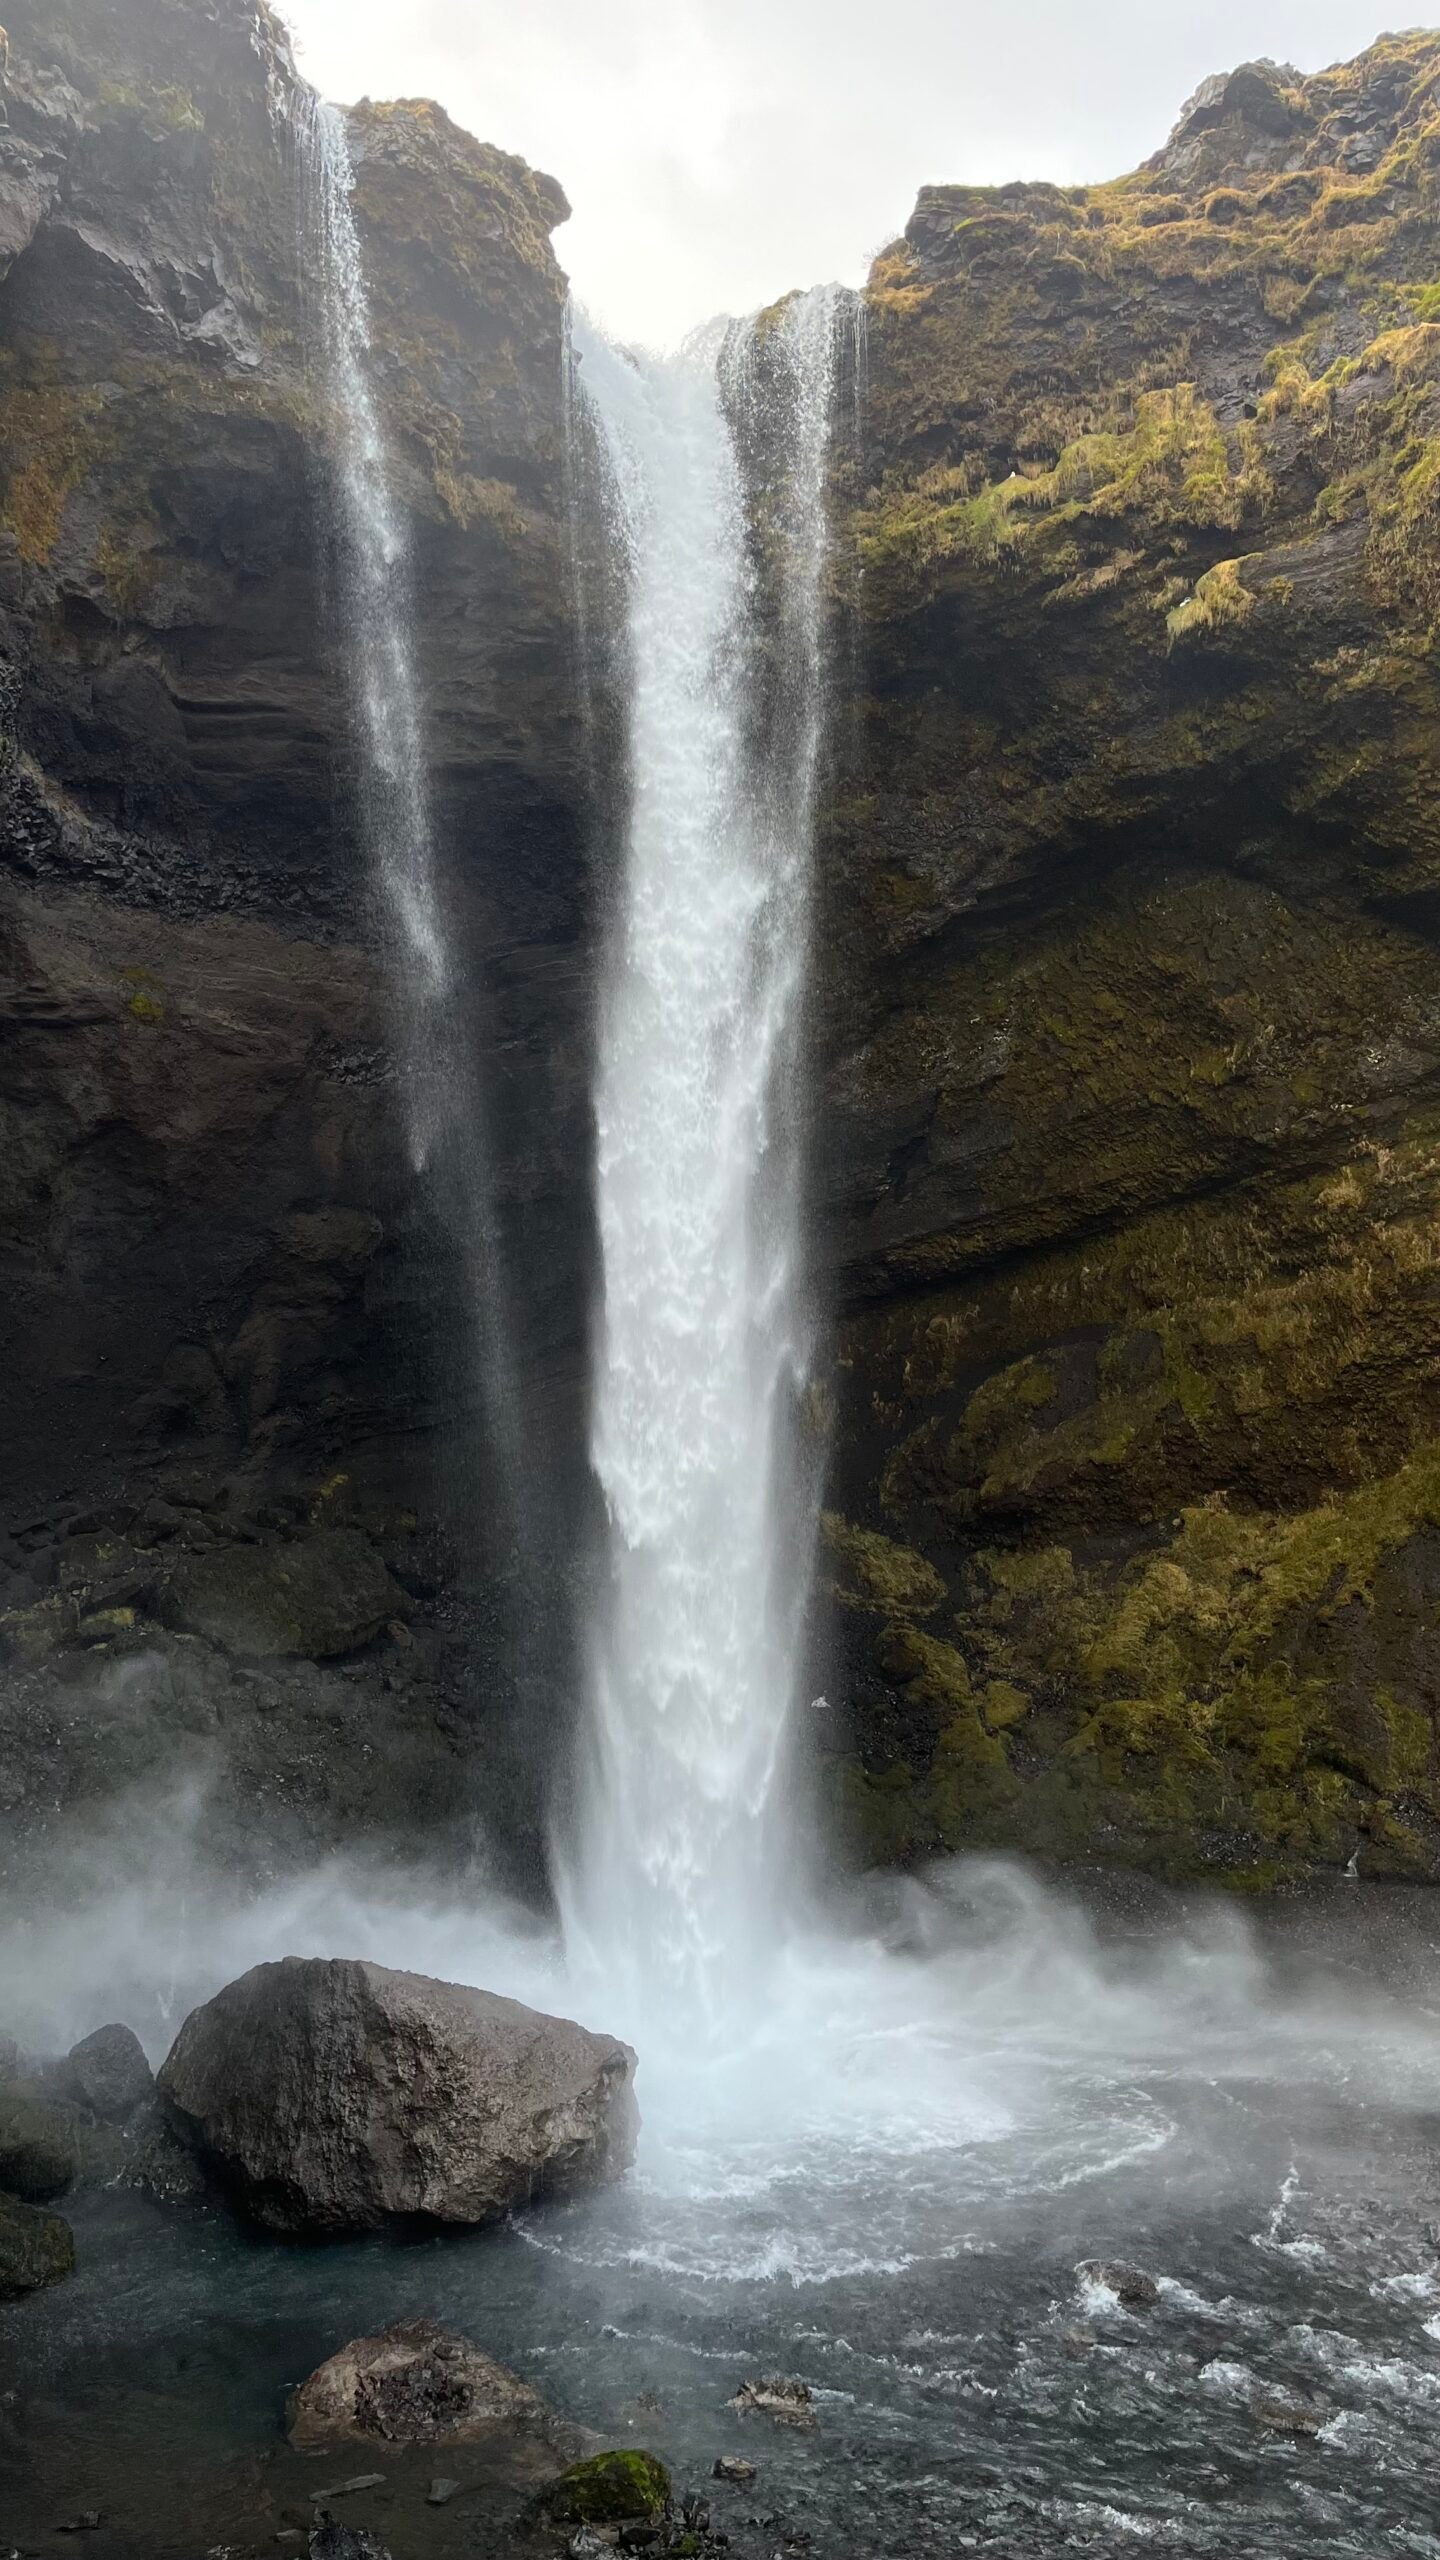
956, 2098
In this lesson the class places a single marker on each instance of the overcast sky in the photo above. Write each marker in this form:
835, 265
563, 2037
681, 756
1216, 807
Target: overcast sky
718, 152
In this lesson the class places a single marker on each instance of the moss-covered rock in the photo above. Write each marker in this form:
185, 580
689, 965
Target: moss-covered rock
611, 2488
1130, 986
323, 1593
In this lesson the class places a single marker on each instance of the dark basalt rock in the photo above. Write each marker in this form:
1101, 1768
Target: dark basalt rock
35, 2249
328, 2096
38, 2157
107, 2072
322, 1594
214, 1250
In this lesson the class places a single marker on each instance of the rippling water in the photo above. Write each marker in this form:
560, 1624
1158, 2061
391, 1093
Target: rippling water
886, 2194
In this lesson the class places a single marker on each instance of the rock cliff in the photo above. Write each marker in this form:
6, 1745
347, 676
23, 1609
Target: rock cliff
231, 1328
1132, 1002
1128, 976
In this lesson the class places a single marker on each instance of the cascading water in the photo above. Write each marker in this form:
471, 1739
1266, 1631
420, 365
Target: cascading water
373, 607
673, 1888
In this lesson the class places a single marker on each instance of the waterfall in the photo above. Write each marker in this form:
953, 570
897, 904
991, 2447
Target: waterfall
372, 612
677, 1878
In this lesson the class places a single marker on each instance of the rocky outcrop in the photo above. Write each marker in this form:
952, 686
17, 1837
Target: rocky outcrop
418, 2383
330, 2096
1131, 985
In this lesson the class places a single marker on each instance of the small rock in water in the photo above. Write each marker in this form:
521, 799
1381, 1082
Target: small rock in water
1131, 2286
733, 2466
1286, 2417
440, 2492
790, 2402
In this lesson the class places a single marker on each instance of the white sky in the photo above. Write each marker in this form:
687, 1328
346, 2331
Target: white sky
718, 152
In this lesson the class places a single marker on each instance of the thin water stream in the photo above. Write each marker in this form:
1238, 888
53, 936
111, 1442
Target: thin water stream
675, 1888
373, 624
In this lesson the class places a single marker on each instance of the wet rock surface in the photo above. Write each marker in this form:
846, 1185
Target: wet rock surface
108, 2073
36, 2248
420, 2383
329, 2096
213, 1248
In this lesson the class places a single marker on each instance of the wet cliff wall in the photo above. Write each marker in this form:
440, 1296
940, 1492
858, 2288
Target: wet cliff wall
236, 1391
1128, 988
1131, 990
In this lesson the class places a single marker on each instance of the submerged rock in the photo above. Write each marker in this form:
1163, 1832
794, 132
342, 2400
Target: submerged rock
35, 2249
418, 2383
1131, 2286
328, 2095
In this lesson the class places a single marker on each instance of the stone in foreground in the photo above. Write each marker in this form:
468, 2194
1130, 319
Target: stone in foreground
326, 2095
611, 2488
35, 2249
418, 2383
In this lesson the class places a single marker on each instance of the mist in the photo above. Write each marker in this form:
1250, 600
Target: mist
719, 156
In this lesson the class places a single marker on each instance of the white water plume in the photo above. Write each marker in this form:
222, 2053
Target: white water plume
673, 1891
372, 610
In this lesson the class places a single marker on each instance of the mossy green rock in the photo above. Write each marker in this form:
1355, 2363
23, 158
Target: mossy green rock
35, 2249
610, 2488
324, 1593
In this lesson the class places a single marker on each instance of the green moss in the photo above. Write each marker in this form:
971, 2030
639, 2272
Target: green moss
876, 1573
143, 1001
611, 2488
168, 110
51, 438
1221, 601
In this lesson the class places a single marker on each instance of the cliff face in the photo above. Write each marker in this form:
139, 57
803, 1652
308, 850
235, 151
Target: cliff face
1132, 1002
231, 1331
1128, 984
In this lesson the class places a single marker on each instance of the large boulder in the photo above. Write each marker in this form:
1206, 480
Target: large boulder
417, 2383
35, 2249
327, 2095
107, 2073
